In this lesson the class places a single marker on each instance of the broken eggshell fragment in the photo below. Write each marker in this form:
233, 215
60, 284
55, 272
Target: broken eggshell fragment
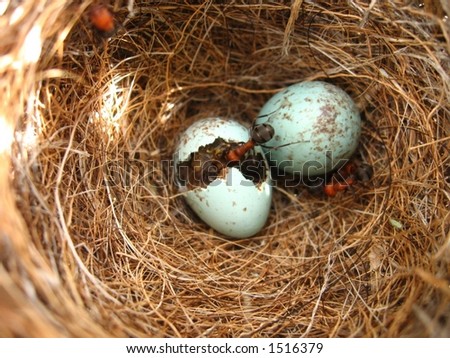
227, 199
320, 120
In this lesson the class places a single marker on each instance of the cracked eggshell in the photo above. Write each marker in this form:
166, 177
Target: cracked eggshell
233, 205
321, 118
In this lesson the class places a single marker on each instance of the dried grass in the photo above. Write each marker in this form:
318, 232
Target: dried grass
95, 241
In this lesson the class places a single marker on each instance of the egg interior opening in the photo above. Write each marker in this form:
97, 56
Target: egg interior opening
210, 162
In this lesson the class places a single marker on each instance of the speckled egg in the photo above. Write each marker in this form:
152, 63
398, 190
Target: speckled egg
317, 125
223, 196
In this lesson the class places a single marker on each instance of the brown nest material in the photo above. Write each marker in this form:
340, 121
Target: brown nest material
95, 240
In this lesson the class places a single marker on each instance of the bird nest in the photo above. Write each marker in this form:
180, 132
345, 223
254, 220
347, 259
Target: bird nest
95, 239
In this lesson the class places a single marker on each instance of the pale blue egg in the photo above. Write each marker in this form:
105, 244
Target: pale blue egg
320, 120
231, 204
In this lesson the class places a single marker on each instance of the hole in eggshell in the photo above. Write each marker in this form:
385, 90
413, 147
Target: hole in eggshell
210, 162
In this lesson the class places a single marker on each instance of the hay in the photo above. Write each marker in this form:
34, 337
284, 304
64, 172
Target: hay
95, 241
